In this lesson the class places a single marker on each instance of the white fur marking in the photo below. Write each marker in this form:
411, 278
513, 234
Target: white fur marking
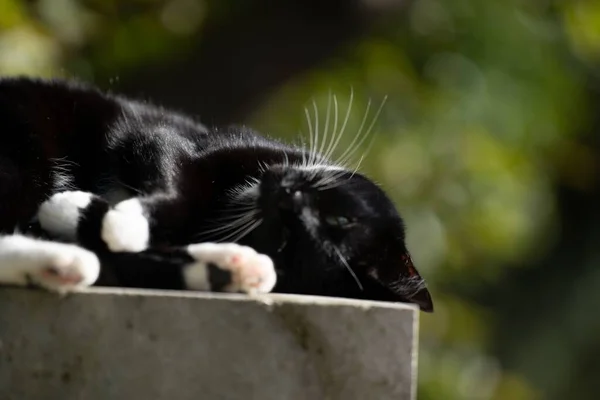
55, 266
196, 276
310, 220
125, 228
59, 215
251, 272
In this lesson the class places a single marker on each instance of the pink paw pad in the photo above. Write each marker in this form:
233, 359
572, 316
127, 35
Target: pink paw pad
61, 276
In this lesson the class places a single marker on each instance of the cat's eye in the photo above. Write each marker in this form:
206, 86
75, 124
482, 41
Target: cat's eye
339, 221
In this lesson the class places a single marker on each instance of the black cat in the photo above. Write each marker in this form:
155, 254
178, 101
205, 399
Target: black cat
132, 187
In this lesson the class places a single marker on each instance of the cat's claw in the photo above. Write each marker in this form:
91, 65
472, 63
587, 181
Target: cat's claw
250, 272
125, 228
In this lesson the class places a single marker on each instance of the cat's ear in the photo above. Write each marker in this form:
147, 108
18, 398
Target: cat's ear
402, 282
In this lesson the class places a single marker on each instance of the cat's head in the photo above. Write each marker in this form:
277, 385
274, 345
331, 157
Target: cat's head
336, 232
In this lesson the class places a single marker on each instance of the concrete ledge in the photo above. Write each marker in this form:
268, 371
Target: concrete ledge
124, 344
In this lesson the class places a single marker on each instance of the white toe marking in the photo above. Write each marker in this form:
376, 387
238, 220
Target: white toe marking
251, 272
59, 215
55, 266
195, 277
125, 228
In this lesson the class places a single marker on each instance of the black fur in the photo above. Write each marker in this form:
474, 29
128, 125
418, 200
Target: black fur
184, 174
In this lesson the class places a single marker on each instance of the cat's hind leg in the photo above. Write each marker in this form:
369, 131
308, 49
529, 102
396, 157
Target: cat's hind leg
58, 267
229, 267
206, 267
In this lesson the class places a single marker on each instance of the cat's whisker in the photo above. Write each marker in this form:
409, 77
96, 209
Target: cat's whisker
262, 166
310, 134
327, 179
239, 209
63, 161
357, 166
248, 231
242, 193
343, 261
229, 230
133, 189
303, 147
343, 128
316, 141
358, 133
217, 235
237, 212
331, 185
243, 231
286, 162
225, 236
224, 229
352, 148
329, 149
326, 130
332, 180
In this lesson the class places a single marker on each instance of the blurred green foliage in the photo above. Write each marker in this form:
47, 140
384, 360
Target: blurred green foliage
487, 102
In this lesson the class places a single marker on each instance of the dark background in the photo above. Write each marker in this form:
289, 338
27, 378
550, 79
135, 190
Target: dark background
488, 143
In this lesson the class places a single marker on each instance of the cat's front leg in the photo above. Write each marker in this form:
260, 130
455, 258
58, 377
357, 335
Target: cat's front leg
89, 219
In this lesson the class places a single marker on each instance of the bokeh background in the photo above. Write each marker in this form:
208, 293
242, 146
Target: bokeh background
488, 143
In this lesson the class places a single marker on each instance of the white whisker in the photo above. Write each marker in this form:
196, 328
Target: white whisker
310, 134
343, 128
358, 133
216, 235
343, 260
240, 221
316, 142
326, 130
344, 158
240, 233
329, 149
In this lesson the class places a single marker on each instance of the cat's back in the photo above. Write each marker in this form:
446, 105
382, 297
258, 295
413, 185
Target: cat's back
53, 105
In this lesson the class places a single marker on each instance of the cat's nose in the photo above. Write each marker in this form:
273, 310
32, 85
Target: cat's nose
291, 199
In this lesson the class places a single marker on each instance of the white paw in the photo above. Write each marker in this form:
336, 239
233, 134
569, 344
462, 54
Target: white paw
251, 272
65, 270
125, 228
55, 266
59, 215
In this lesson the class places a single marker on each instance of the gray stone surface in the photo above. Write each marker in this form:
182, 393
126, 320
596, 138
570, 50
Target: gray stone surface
117, 344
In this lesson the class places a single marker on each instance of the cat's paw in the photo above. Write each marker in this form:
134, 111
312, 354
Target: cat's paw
125, 228
65, 268
54, 266
229, 267
59, 215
